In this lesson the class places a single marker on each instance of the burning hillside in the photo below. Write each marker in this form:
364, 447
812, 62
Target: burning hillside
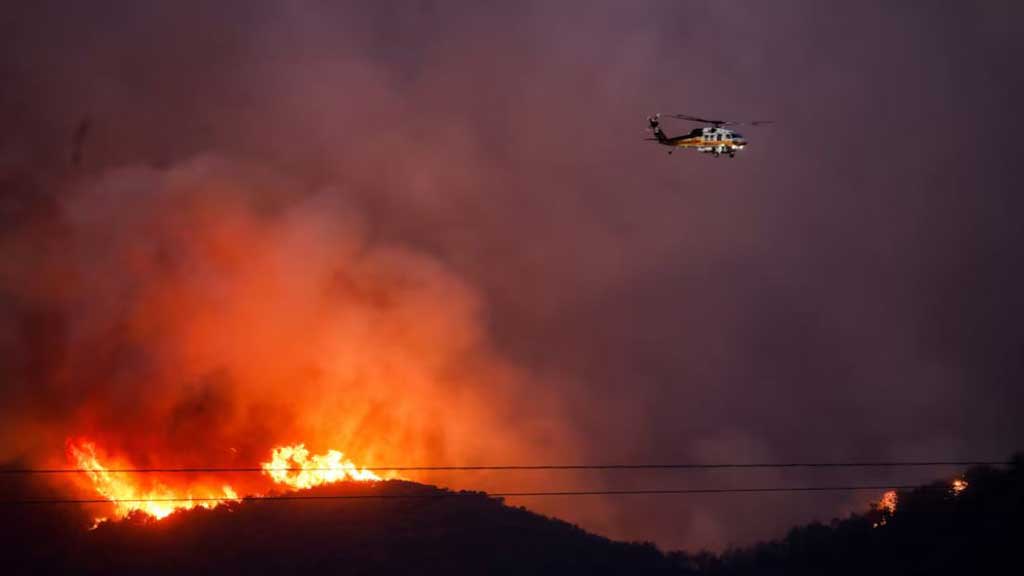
148, 491
386, 527
129, 493
215, 316
400, 527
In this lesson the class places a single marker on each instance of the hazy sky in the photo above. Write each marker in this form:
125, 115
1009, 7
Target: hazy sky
848, 287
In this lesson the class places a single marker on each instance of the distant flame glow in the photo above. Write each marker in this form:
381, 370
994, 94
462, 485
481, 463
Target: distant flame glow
887, 506
888, 502
959, 485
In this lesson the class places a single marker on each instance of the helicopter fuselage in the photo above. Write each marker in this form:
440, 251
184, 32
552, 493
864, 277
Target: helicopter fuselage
709, 140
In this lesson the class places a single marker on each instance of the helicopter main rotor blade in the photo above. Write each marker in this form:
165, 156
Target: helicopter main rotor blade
697, 119
720, 122
745, 123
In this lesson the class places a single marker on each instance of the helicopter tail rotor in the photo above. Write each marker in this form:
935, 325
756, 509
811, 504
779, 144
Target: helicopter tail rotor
655, 127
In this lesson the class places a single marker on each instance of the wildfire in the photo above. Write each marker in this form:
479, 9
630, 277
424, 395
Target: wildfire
293, 466
888, 502
959, 485
129, 496
887, 506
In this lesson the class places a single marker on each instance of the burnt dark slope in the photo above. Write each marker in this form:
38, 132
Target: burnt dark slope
431, 532
419, 529
933, 531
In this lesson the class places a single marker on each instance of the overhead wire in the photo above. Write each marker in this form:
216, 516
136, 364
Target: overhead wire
505, 468
464, 494
526, 467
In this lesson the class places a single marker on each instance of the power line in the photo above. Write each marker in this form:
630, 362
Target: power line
527, 467
464, 494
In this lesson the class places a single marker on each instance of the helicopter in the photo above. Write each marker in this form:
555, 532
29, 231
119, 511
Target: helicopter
712, 139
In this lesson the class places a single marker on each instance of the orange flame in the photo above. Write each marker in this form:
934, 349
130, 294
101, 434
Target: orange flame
293, 466
887, 506
888, 502
959, 485
128, 496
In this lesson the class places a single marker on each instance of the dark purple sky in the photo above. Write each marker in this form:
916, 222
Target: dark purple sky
847, 288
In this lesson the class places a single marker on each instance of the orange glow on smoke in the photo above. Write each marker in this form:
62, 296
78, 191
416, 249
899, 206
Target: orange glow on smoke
206, 314
147, 493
